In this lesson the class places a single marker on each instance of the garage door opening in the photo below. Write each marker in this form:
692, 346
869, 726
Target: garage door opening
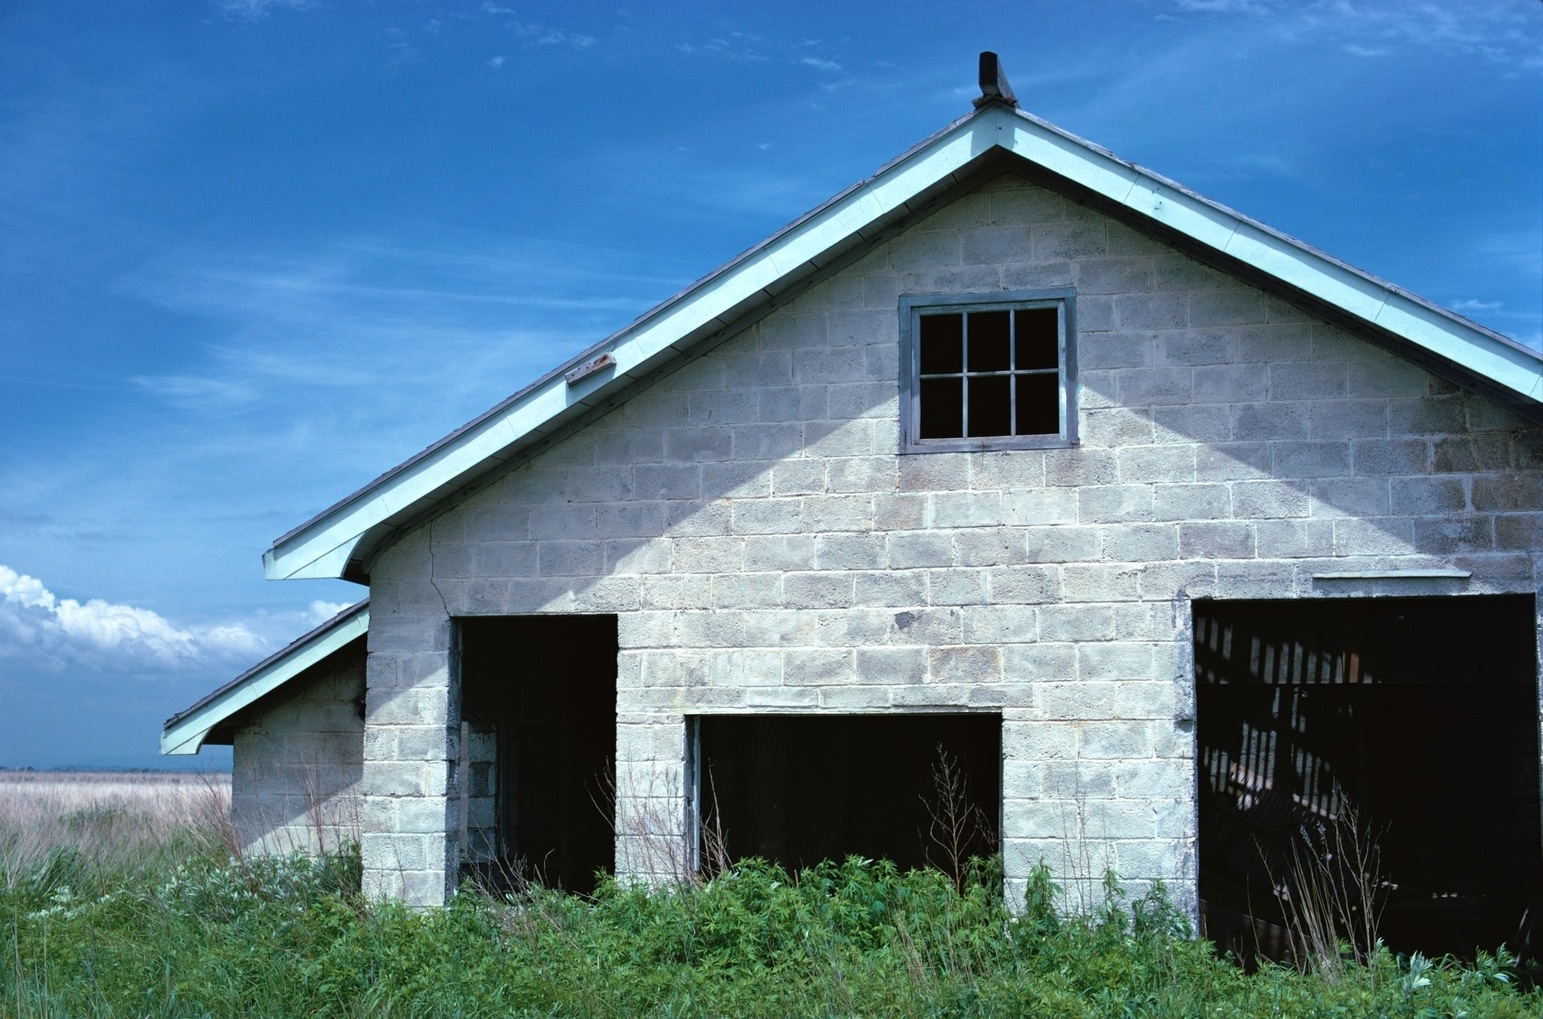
1417, 718
798, 789
538, 711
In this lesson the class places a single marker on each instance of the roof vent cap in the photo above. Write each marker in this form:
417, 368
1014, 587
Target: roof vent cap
994, 89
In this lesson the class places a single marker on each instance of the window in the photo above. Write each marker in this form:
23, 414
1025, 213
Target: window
993, 371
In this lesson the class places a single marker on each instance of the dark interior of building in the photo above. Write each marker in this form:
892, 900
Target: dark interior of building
547, 686
798, 789
1414, 720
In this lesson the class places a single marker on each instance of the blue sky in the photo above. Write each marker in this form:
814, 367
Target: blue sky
252, 254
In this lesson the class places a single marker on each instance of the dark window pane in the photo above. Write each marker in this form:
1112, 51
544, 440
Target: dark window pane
989, 341
1039, 404
1039, 337
942, 344
990, 406
942, 410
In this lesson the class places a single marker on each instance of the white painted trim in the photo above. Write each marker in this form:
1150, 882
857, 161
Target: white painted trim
185, 733
324, 546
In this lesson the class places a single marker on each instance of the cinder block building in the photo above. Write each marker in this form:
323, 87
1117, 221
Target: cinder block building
1164, 531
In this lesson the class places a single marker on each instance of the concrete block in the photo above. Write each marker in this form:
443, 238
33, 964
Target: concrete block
1230, 383
899, 512
1080, 467
1125, 275
780, 552
570, 558
1102, 582
724, 406
1232, 461
884, 666
1037, 663
1268, 422
767, 516
870, 474
830, 590
993, 546
698, 443
746, 590
798, 477
818, 666
1199, 423
1074, 623
1209, 501
1428, 496
624, 520
667, 481
1068, 240
1348, 419
964, 665
1040, 506
1485, 451
824, 513
1217, 540
1061, 544
1312, 459
709, 553
1230, 306
919, 549
763, 442
1101, 662
1024, 585
1000, 624
1170, 464
890, 588
1155, 387
1294, 539
1113, 504
1264, 500
1153, 311
1115, 740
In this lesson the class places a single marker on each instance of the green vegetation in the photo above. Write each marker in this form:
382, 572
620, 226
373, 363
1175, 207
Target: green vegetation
179, 928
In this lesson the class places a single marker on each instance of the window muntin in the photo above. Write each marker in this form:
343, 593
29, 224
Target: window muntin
990, 372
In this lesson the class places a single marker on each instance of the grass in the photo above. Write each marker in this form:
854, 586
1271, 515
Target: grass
173, 925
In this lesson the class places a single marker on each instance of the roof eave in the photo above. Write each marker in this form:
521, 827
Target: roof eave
188, 730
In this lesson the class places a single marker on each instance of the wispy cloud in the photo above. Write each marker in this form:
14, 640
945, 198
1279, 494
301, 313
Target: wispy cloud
1506, 31
251, 10
1470, 305
35, 623
819, 64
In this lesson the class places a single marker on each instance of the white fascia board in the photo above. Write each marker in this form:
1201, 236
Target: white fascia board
1487, 355
186, 734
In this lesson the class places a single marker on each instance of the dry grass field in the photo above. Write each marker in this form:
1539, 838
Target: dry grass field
105, 813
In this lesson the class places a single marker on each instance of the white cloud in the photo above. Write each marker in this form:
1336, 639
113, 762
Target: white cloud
36, 624
495, 63
251, 10
1471, 305
321, 611
820, 65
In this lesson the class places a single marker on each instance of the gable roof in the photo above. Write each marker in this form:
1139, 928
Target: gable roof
342, 540
187, 731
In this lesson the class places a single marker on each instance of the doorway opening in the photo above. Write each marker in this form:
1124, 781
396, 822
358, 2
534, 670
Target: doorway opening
538, 738
1412, 722
798, 789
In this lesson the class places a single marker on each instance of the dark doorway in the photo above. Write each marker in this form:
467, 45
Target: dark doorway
538, 699
798, 789
1416, 717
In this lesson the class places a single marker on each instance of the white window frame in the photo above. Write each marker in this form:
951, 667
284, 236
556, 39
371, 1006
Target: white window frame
913, 306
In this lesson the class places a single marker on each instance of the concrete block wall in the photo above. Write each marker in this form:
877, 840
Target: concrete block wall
298, 762
766, 547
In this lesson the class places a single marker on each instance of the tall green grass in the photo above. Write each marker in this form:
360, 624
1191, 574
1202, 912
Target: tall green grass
183, 929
